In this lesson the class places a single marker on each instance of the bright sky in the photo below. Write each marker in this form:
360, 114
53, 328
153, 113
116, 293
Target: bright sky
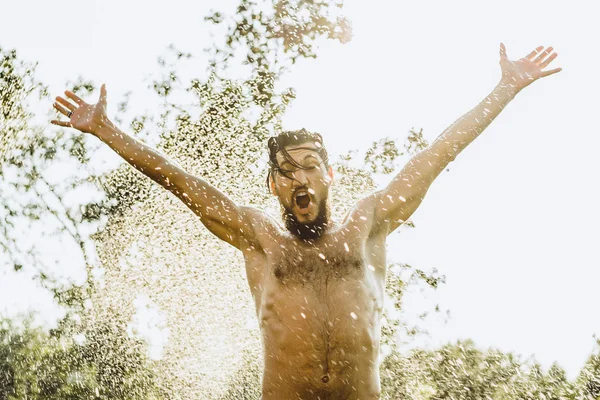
512, 225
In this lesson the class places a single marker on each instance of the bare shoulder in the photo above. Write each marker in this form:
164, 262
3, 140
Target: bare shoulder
362, 214
258, 218
364, 207
263, 227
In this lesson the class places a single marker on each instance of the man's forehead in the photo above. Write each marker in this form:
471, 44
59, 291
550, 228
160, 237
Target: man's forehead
300, 151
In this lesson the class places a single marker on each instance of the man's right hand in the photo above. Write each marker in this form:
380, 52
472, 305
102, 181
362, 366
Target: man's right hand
82, 116
222, 217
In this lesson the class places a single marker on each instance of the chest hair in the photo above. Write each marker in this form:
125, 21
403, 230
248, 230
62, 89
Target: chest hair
318, 266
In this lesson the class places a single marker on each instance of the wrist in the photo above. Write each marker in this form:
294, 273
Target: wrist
105, 129
507, 88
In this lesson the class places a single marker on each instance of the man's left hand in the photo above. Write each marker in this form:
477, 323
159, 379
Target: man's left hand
521, 73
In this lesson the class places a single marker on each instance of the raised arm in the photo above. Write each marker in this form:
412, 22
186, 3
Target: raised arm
399, 200
216, 211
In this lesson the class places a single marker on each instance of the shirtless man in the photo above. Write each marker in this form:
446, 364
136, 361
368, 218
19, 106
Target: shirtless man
318, 285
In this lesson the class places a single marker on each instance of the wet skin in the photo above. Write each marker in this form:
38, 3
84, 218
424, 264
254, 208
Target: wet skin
319, 306
318, 302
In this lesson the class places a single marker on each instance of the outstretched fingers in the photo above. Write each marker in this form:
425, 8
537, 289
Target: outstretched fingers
61, 109
74, 97
103, 93
534, 53
66, 103
543, 55
550, 72
503, 51
66, 124
548, 60
542, 60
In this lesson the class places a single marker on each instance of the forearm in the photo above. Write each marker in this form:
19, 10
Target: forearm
148, 161
468, 127
406, 191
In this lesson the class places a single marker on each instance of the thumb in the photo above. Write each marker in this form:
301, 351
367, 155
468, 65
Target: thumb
103, 93
503, 51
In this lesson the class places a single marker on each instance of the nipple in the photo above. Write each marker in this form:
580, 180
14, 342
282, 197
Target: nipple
325, 378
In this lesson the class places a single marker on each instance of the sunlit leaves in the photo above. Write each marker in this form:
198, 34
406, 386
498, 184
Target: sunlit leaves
99, 364
33, 200
279, 32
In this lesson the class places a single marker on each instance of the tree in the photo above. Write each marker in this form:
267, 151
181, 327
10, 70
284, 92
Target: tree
461, 371
276, 33
588, 382
39, 202
42, 205
36, 364
153, 245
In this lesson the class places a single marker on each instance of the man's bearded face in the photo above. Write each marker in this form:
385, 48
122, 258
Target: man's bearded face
303, 190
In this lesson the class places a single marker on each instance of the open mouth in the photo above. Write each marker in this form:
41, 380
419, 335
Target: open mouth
302, 199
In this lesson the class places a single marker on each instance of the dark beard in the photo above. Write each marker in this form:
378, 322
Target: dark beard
307, 231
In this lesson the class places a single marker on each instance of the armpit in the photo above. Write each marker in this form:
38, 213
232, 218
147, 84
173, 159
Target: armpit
260, 228
362, 215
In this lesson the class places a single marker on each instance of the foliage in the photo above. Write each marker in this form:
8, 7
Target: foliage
275, 33
91, 354
589, 378
233, 112
36, 364
40, 203
459, 371
38, 199
462, 371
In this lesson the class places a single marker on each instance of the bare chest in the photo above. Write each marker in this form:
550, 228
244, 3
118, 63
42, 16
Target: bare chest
318, 266
319, 309
324, 276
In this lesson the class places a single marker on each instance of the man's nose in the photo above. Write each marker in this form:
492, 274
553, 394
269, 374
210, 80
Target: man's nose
300, 176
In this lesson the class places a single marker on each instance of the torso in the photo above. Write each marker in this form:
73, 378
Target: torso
319, 307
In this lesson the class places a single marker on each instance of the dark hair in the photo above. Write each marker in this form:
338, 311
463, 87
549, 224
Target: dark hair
278, 143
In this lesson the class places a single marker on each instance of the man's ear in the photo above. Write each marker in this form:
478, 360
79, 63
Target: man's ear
272, 185
330, 175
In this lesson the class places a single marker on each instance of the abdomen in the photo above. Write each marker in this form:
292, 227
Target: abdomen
321, 337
